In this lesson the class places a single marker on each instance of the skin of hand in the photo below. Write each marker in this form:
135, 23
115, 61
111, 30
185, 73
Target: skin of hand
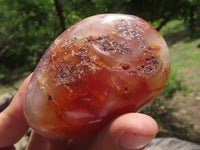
132, 131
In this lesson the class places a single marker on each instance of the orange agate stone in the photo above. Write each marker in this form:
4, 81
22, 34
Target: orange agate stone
100, 68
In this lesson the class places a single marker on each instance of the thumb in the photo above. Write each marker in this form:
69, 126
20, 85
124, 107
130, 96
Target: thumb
132, 131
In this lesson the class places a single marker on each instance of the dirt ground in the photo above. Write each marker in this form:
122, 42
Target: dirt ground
188, 105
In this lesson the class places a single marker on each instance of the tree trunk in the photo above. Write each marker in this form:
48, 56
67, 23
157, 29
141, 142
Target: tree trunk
171, 14
165, 21
191, 19
60, 14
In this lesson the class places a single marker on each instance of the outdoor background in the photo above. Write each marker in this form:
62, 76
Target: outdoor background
28, 27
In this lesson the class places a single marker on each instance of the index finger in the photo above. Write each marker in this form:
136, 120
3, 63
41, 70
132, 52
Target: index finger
12, 121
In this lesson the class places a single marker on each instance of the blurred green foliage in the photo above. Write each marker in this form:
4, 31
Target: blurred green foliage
27, 28
173, 85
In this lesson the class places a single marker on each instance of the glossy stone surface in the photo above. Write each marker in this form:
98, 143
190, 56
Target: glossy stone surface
98, 69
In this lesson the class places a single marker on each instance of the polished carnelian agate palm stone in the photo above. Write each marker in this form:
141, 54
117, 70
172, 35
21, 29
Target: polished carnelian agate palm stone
98, 69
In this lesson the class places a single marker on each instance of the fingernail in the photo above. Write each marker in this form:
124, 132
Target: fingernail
131, 141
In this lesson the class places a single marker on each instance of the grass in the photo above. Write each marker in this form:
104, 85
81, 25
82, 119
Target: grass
185, 59
185, 51
186, 55
172, 27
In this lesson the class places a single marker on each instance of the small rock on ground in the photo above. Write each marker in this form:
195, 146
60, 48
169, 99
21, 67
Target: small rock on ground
21, 145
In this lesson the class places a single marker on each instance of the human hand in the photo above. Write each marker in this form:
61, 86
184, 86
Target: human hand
127, 132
